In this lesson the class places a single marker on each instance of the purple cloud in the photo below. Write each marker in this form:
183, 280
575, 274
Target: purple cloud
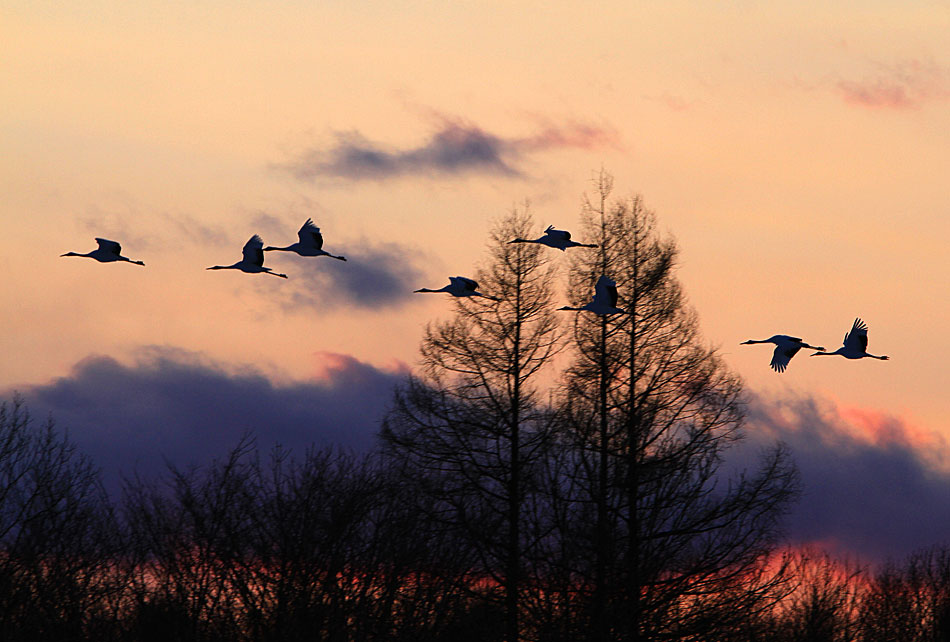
871, 484
173, 405
373, 277
456, 148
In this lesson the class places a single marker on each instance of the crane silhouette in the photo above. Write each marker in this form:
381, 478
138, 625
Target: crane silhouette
460, 286
253, 261
605, 298
855, 344
786, 347
559, 239
310, 243
107, 252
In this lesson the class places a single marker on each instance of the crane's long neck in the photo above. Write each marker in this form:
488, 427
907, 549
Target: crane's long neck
289, 248
89, 255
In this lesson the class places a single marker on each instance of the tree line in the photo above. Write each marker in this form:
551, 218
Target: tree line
540, 478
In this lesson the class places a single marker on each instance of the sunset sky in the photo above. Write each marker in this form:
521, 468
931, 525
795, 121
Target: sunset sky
797, 151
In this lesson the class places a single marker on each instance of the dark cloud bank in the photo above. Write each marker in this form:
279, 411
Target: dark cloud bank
456, 148
870, 487
172, 406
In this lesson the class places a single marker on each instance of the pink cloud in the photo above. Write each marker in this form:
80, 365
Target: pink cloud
884, 429
333, 368
907, 84
571, 134
672, 102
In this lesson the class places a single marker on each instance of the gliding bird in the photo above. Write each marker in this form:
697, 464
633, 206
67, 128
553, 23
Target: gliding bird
107, 252
855, 344
786, 347
310, 243
253, 261
605, 298
460, 286
559, 239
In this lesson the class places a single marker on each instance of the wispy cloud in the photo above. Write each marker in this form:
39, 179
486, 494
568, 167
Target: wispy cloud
872, 483
165, 230
906, 84
177, 406
374, 276
673, 102
455, 148
189, 229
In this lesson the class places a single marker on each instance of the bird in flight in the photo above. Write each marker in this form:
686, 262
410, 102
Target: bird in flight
855, 344
786, 347
559, 239
310, 243
605, 298
253, 261
460, 286
107, 252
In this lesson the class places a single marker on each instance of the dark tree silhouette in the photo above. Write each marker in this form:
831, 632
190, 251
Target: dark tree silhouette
677, 547
824, 603
472, 426
909, 601
58, 538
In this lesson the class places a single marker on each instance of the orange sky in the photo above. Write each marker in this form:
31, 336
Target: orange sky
797, 151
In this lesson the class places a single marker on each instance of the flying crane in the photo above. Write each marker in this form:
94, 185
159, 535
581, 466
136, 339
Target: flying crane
253, 261
107, 252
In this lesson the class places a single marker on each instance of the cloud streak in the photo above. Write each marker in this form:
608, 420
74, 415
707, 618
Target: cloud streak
372, 278
165, 230
177, 406
873, 485
456, 148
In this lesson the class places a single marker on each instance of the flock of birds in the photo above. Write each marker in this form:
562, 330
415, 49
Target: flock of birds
604, 301
855, 346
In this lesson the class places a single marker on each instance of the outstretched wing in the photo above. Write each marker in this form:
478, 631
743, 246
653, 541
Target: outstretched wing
465, 283
857, 339
310, 236
781, 357
606, 290
109, 246
558, 234
254, 251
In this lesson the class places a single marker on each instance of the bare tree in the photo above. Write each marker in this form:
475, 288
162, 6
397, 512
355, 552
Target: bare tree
57, 535
910, 600
824, 603
653, 411
473, 424
189, 533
